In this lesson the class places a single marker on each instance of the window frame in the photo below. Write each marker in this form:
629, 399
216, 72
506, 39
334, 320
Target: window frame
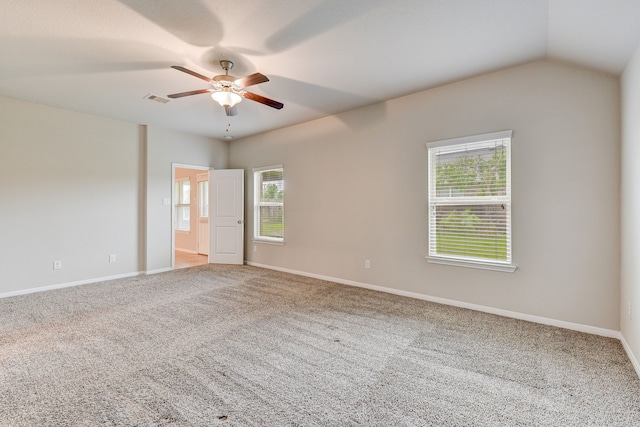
433, 201
257, 204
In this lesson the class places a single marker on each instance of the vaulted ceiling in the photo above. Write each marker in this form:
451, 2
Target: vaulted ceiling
322, 57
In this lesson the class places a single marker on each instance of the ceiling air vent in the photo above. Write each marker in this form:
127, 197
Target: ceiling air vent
156, 98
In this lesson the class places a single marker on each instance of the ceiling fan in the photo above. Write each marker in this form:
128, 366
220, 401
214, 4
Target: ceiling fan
227, 90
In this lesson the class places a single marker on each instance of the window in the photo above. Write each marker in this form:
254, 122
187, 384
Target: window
183, 204
203, 194
268, 205
470, 201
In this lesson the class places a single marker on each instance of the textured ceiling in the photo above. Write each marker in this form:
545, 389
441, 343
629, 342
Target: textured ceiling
322, 56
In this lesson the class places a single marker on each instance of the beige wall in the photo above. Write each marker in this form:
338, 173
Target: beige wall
356, 190
70, 190
78, 188
630, 208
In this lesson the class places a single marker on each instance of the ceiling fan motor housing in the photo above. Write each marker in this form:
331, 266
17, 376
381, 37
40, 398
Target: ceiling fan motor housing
226, 64
224, 80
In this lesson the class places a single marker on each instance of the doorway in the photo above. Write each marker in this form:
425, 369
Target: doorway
207, 217
190, 216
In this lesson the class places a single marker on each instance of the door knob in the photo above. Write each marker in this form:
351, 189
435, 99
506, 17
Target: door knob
239, 221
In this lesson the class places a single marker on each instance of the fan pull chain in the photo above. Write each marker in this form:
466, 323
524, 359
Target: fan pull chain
227, 135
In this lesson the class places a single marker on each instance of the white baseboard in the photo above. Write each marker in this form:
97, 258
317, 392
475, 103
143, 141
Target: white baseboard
485, 309
609, 333
66, 285
506, 313
632, 357
80, 282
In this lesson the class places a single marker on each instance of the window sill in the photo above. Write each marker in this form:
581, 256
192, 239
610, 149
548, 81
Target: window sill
506, 268
269, 242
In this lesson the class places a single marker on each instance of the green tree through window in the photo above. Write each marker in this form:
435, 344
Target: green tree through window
269, 204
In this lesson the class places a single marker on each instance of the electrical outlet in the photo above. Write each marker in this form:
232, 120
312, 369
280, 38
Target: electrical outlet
57, 265
629, 311
367, 263
255, 248
112, 258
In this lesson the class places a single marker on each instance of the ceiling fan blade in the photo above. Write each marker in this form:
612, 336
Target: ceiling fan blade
231, 111
251, 80
193, 73
261, 99
191, 92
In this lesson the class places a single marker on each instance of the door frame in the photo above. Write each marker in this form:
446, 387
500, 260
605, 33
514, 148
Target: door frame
173, 203
198, 240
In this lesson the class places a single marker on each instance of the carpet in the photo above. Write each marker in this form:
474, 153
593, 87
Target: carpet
244, 346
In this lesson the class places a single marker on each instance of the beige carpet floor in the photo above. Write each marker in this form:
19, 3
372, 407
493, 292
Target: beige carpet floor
243, 346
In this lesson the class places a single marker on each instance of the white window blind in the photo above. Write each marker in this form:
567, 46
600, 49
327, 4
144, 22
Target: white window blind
469, 195
203, 194
183, 205
268, 204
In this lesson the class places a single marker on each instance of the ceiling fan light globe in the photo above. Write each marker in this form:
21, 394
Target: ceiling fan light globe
226, 98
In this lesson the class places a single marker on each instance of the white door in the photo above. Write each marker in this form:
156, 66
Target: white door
203, 213
226, 216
